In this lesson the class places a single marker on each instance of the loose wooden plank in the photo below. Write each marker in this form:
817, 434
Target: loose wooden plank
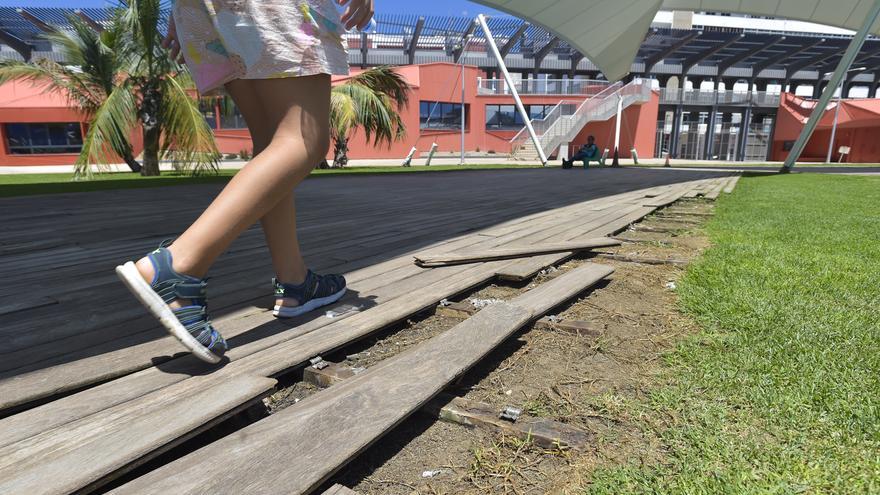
512, 252
85, 453
329, 428
520, 270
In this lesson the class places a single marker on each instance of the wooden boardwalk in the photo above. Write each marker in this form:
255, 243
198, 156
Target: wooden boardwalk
90, 387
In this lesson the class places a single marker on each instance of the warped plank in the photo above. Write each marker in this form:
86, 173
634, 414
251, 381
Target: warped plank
329, 428
524, 269
496, 254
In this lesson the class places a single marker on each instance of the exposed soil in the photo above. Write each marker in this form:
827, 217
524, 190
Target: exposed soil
584, 381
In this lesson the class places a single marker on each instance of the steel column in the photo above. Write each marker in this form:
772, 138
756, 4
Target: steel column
510, 83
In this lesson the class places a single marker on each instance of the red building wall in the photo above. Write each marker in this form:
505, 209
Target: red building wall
429, 82
637, 130
858, 128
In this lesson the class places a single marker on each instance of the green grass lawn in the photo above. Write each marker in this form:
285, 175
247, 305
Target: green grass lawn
29, 184
780, 393
759, 164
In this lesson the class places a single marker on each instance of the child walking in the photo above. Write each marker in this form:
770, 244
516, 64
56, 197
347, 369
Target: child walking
274, 58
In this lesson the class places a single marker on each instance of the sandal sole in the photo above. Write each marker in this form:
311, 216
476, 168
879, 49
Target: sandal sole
132, 279
285, 312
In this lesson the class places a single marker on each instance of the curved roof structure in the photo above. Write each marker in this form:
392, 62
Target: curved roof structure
610, 32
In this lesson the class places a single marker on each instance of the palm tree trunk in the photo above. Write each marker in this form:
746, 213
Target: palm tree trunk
340, 153
150, 114
151, 151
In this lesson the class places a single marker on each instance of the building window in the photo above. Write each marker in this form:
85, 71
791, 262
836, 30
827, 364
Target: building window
230, 116
209, 111
29, 139
507, 118
440, 115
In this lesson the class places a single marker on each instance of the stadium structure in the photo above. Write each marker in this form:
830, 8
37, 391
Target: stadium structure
703, 87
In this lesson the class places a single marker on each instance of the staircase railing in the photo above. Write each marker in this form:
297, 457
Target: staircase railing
565, 120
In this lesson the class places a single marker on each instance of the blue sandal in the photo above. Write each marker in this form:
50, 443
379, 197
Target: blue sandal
189, 324
314, 292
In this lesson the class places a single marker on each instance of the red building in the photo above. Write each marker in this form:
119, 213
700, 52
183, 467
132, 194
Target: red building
42, 128
858, 125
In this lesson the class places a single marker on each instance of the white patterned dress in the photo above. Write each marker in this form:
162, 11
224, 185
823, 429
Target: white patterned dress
225, 40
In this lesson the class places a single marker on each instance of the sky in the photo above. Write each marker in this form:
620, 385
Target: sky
433, 7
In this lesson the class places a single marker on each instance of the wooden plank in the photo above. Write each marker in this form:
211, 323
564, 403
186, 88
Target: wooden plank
643, 260
715, 190
86, 453
524, 269
732, 184
543, 432
512, 252
25, 387
342, 421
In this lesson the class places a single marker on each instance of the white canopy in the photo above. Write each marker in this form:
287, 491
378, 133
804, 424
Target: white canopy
609, 32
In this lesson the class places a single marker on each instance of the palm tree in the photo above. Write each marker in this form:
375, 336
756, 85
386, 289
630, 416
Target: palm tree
122, 78
371, 101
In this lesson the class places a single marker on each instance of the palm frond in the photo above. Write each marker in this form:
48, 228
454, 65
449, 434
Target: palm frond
109, 130
141, 18
186, 135
343, 114
376, 113
384, 80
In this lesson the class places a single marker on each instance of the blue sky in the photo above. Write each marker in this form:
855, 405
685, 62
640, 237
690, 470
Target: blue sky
441, 7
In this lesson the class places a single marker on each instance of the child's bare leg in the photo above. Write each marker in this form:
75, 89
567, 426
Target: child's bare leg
298, 110
279, 224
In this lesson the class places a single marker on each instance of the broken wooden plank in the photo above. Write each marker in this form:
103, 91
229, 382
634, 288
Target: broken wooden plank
643, 260
658, 230
324, 376
462, 309
506, 253
574, 327
543, 432
327, 429
86, 453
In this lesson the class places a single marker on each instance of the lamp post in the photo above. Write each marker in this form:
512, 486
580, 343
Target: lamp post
837, 111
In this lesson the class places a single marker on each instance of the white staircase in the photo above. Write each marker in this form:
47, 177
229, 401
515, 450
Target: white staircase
566, 120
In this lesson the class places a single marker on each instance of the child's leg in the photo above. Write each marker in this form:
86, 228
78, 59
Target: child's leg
279, 224
298, 109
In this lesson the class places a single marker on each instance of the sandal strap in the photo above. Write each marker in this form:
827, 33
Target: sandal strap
171, 286
195, 320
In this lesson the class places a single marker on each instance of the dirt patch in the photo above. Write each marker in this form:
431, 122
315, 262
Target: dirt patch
580, 380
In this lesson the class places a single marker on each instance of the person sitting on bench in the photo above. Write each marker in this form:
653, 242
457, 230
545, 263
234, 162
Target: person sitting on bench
587, 153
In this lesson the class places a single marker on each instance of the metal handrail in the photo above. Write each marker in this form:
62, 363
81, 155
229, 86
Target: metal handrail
543, 125
580, 87
600, 107
709, 98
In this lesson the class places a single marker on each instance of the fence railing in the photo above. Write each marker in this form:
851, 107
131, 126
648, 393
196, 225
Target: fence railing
710, 98
579, 87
